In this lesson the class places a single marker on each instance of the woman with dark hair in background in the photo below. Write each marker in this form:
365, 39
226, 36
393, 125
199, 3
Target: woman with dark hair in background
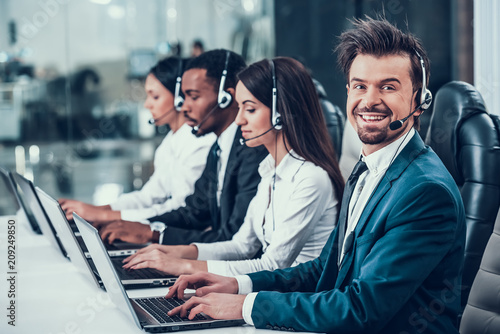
178, 163
296, 205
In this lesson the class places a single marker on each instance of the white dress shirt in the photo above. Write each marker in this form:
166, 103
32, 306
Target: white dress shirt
378, 162
291, 219
178, 163
225, 142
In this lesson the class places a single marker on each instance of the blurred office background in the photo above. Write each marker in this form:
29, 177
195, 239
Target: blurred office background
72, 71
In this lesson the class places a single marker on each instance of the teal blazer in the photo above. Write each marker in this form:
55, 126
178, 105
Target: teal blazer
403, 273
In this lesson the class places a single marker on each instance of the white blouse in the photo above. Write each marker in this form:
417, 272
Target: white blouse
290, 218
178, 163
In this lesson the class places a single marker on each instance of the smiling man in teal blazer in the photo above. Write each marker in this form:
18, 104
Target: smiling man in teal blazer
394, 263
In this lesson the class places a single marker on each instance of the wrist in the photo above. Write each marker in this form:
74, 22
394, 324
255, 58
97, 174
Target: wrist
235, 288
194, 266
156, 232
110, 215
155, 237
190, 252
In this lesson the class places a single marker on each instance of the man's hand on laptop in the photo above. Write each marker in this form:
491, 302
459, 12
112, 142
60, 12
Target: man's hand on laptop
216, 296
215, 305
127, 231
204, 283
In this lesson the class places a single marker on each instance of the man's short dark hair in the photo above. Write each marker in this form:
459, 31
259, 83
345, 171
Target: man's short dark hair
213, 62
378, 37
197, 43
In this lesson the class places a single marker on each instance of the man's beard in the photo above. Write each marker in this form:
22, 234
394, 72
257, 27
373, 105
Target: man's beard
378, 135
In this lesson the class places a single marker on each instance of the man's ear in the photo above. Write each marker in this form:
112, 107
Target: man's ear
415, 103
231, 91
347, 87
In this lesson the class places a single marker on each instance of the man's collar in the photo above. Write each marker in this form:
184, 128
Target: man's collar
226, 138
380, 160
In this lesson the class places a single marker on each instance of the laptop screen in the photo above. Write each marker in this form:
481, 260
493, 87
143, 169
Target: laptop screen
32, 207
8, 203
103, 264
66, 235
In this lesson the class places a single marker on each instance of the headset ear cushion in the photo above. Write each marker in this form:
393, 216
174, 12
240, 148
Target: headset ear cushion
277, 123
426, 100
178, 102
225, 100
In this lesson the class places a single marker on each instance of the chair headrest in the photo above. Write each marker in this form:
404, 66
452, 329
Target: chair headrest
454, 103
319, 89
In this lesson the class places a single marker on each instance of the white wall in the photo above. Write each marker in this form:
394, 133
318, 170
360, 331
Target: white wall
67, 34
487, 52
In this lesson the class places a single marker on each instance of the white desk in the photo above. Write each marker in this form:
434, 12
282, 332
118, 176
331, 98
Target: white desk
52, 297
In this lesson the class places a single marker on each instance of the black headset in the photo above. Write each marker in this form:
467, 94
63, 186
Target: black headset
224, 99
178, 99
275, 115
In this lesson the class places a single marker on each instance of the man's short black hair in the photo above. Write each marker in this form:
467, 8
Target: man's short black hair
213, 62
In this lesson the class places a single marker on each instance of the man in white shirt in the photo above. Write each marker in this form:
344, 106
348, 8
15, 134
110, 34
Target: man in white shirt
394, 263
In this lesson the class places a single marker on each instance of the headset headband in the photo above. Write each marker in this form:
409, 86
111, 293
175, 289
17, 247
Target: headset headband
275, 115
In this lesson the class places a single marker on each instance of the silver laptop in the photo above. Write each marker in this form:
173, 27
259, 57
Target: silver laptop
33, 203
141, 278
67, 237
149, 314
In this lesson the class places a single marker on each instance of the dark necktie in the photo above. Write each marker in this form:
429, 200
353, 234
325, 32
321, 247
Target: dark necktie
214, 164
346, 198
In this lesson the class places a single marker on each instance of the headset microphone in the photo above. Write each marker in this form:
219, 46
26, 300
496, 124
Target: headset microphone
155, 120
399, 123
197, 128
243, 140
425, 98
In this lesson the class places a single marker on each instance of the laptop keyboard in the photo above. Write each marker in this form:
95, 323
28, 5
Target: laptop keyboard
159, 306
146, 273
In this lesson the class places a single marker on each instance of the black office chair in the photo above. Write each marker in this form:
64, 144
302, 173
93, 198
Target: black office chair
333, 116
467, 140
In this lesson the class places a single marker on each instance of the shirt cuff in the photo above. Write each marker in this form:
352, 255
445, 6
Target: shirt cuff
247, 308
245, 285
133, 216
218, 267
162, 234
204, 251
115, 207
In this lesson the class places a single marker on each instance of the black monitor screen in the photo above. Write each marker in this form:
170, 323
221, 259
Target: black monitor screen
8, 200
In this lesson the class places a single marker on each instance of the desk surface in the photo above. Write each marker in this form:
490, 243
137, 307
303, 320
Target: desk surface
53, 297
